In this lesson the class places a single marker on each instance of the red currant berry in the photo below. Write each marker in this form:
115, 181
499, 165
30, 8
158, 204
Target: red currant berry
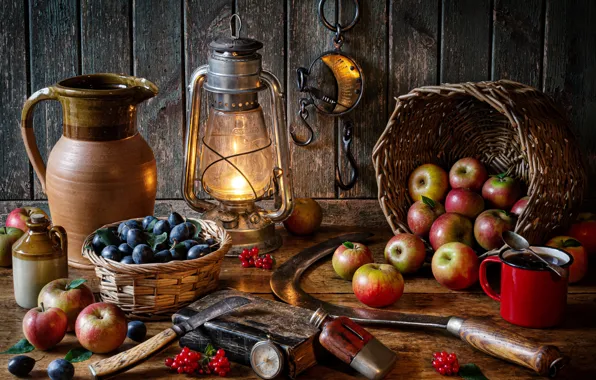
254, 251
245, 264
441, 370
258, 263
221, 373
169, 362
245, 252
180, 370
251, 262
220, 352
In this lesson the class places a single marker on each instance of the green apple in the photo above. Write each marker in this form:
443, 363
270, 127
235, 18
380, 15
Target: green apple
8, 236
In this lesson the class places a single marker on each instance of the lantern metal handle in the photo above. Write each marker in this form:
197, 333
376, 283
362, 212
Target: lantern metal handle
192, 140
284, 177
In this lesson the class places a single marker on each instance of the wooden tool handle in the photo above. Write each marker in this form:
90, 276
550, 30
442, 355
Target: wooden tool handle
126, 360
507, 345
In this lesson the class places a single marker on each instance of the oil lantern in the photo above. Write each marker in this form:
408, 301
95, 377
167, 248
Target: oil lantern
235, 161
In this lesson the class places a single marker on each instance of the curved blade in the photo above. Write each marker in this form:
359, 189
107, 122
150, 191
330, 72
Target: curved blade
285, 283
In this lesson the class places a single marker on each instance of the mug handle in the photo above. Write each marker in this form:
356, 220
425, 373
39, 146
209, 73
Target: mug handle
47, 93
484, 281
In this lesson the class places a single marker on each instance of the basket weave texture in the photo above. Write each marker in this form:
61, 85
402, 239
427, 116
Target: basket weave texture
155, 291
507, 125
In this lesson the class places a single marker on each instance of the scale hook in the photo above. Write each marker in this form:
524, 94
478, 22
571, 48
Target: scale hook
346, 144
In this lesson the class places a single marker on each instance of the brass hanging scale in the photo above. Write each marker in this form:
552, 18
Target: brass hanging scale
349, 87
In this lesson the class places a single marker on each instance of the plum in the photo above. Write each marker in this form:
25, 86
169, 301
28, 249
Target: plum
127, 260
188, 244
21, 365
147, 221
142, 254
161, 226
137, 331
178, 253
175, 219
163, 256
197, 251
60, 369
111, 252
97, 244
125, 249
135, 237
179, 233
192, 229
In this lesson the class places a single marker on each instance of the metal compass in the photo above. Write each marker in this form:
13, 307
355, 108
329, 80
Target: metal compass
266, 359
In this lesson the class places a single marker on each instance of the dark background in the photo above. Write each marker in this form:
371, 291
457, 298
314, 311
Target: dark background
401, 44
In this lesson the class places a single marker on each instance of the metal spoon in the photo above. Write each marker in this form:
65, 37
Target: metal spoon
518, 243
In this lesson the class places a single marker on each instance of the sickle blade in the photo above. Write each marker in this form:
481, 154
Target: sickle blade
285, 283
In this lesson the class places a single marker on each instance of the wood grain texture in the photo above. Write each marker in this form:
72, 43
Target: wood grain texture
158, 57
413, 45
367, 44
54, 47
313, 166
517, 41
105, 36
465, 48
570, 70
14, 165
129, 359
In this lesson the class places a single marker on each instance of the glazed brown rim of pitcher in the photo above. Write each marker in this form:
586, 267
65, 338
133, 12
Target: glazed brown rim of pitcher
79, 86
504, 261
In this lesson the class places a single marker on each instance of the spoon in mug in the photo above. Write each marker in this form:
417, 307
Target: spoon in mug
518, 243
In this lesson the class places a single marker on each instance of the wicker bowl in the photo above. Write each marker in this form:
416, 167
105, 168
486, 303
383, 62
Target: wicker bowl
509, 126
156, 291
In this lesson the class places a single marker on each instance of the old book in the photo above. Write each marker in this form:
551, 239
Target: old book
237, 332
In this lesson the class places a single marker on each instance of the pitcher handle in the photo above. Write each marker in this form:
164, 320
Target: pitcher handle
484, 280
60, 233
48, 93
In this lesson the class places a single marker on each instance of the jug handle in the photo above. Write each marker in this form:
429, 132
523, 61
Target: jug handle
60, 233
48, 93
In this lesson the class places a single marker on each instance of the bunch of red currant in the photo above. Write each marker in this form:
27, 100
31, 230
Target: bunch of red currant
250, 258
192, 362
445, 364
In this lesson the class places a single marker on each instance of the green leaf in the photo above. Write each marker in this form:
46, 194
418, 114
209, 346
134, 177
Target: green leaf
23, 346
429, 202
77, 355
210, 350
155, 240
471, 371
151, 225
75, 283
571, 243
107, 237
198, 227
348, 245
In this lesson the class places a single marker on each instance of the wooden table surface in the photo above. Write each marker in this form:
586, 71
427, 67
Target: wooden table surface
576, 338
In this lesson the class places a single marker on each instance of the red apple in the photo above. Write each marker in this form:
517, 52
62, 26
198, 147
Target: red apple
18, 217
8, 236
101, 327
70, 296
490, 225
464, 202
584, 230
45, 327
378, 285
501, 191
579, 267
520, 206
455, 266
306, 217
422, 214
406, 252
429, 180
468, 173
451, 227
350, 256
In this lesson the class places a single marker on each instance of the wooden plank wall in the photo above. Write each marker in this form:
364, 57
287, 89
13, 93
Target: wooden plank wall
400, 44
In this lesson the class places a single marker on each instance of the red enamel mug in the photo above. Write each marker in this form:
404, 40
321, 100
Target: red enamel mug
531, 296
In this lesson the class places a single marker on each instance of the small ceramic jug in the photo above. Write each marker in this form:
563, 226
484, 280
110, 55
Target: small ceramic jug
38, 257
101, 170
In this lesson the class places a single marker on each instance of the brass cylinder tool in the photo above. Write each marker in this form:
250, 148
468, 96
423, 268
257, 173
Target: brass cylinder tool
349, 87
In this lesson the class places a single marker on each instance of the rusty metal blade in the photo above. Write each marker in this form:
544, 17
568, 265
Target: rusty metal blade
285, 283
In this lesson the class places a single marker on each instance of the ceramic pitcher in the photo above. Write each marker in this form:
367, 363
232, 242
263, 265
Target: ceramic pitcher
101, 170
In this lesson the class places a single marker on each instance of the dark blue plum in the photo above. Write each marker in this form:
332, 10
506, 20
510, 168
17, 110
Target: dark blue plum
189, 243
175, 219
60, 369
127, 260
161, 247
178, 253
21, 365
147, 221
210, 241
136, 237
125, 249
197, 251
111, 252
142, 254
161, 226
137, 331
192, 229
97, 244
179, 233
163, 256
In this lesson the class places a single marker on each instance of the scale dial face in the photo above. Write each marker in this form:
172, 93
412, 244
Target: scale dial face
266, 359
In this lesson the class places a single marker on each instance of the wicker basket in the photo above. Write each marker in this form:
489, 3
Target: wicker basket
507, 125
156, 291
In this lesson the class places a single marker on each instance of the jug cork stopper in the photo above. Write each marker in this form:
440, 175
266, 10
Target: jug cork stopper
38, 218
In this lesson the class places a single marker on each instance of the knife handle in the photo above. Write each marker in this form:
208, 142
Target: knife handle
126, 360
546, 360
